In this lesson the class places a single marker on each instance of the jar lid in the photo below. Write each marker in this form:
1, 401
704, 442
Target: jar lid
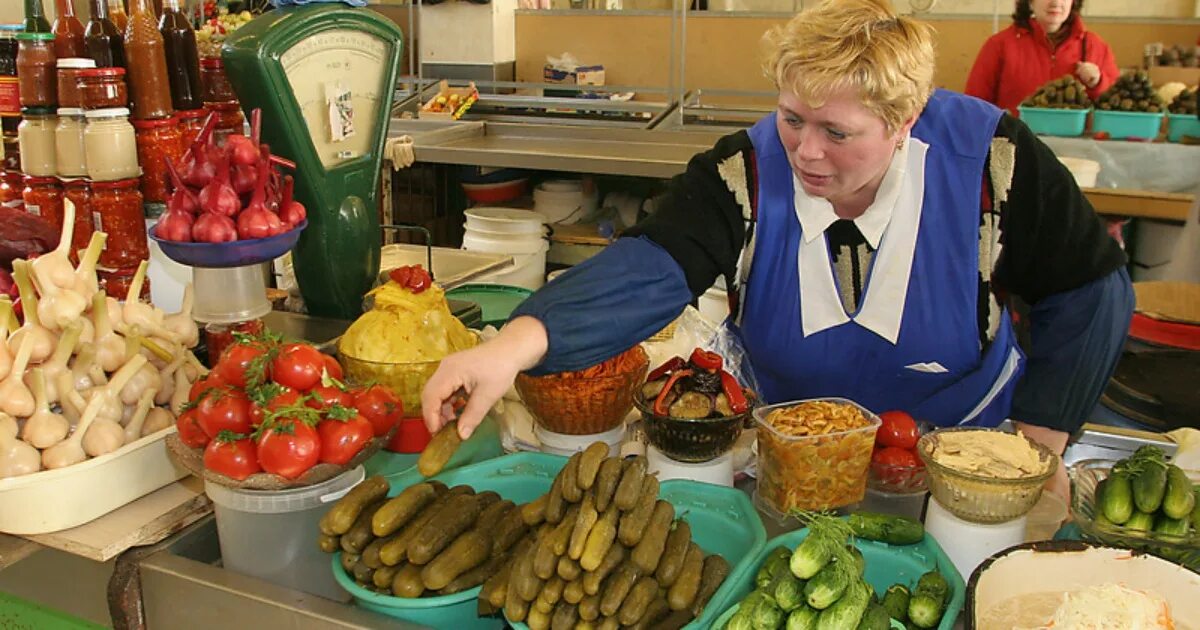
35, 180
103, 72
115, 184
188, 114
11, 29
76, 62
70, 111
108, 112
40, 37
212, 62
154, 123
37, 111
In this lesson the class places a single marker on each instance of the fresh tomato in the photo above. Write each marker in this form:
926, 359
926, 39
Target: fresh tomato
232, 455
224, 409
269, 398
332, 368
190, 432
289, 447
895, 468
898, 430
343, 435
380, 407
323, 397
211, 380
241, 358
298, 366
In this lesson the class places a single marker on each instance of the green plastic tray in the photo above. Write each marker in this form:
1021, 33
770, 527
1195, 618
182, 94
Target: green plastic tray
401, 468
886, 565
723, 521
18, 614
498, 301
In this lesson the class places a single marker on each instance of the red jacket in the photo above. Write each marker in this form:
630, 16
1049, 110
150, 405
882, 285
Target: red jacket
1015, 62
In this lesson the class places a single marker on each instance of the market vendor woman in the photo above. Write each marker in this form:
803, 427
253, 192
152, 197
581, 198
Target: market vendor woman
870, 229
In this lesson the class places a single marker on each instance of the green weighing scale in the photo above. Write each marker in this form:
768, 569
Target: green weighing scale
324, 77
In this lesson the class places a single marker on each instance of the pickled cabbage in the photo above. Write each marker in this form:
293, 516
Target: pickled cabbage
405, 327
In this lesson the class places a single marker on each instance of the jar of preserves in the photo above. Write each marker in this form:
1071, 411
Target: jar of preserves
217, 337
110, 145
117, 210
69, 94
10, 90
115, 282
68, 143
217, 88
43, 197
105, 44
145, 53
156, 141
68, 30
103, 88
35, 137
35, 70
79, 192
11, 190
229, 119
192, 121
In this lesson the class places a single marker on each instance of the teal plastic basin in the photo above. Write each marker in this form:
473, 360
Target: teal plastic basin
497, 301
1054, 122
886, 565
1127, 124
1180, 125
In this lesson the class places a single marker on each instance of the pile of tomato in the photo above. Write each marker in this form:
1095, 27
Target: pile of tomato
895, 466
281, 408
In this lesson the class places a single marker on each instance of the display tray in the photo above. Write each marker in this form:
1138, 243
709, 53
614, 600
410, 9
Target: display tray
885, 565
53, 500
231, 254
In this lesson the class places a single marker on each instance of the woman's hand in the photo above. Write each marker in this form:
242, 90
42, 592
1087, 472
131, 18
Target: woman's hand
1088, 73
484, 372
1056, 441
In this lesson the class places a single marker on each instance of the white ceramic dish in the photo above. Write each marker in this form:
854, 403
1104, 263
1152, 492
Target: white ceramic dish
53, 500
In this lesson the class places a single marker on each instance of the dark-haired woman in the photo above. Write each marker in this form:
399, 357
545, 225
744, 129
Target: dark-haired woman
1047, 40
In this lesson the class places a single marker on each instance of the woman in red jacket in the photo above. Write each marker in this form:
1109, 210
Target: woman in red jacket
1046, 41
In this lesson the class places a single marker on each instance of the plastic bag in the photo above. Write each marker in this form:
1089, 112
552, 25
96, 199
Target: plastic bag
693, 331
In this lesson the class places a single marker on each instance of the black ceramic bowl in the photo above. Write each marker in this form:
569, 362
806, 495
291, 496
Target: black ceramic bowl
690, 440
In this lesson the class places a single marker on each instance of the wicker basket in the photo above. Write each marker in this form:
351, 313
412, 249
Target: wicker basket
582, 406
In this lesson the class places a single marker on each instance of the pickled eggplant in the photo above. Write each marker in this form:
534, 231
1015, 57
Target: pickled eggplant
692, 405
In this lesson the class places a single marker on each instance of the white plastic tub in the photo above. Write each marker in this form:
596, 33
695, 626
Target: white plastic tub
512, 220
54, 500
1085, 171
272, 535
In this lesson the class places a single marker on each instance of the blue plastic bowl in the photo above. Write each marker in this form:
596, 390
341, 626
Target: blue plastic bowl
1119, 125
885, 565
1180, 125
232, 254
1054, 122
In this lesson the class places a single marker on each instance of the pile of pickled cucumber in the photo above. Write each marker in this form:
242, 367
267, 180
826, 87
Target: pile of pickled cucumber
1144, 493
607, 553
599, 550
1184, 102
1062, 93
1133, 92
821, 585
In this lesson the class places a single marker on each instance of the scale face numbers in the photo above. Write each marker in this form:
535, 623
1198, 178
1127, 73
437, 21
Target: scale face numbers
336, 76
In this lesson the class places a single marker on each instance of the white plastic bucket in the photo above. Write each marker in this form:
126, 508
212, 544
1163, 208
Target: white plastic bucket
564, 201
272, 535
528, 251
507, 220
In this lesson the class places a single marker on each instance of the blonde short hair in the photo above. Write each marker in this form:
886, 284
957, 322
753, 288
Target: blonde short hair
858, 44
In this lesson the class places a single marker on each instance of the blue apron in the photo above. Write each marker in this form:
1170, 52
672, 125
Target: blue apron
939, 322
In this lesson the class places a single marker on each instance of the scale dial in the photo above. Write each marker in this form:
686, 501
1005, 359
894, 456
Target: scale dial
337, 75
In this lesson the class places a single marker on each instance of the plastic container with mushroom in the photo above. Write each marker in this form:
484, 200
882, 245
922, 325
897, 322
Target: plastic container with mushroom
82, 375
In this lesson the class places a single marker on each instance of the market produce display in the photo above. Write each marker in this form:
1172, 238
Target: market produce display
813, 455
231, 192
600, 549
1145, 493
273, 414
1132, 92
218, 24
993, 454
1102, 606
81, 375
820, 584
695, 389
1179, 56
1184, 102
589, 401
1061, 93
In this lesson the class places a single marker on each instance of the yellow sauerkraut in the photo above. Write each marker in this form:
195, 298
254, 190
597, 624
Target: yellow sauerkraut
404, 327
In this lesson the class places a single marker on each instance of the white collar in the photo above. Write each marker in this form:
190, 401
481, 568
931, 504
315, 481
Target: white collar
816, 214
